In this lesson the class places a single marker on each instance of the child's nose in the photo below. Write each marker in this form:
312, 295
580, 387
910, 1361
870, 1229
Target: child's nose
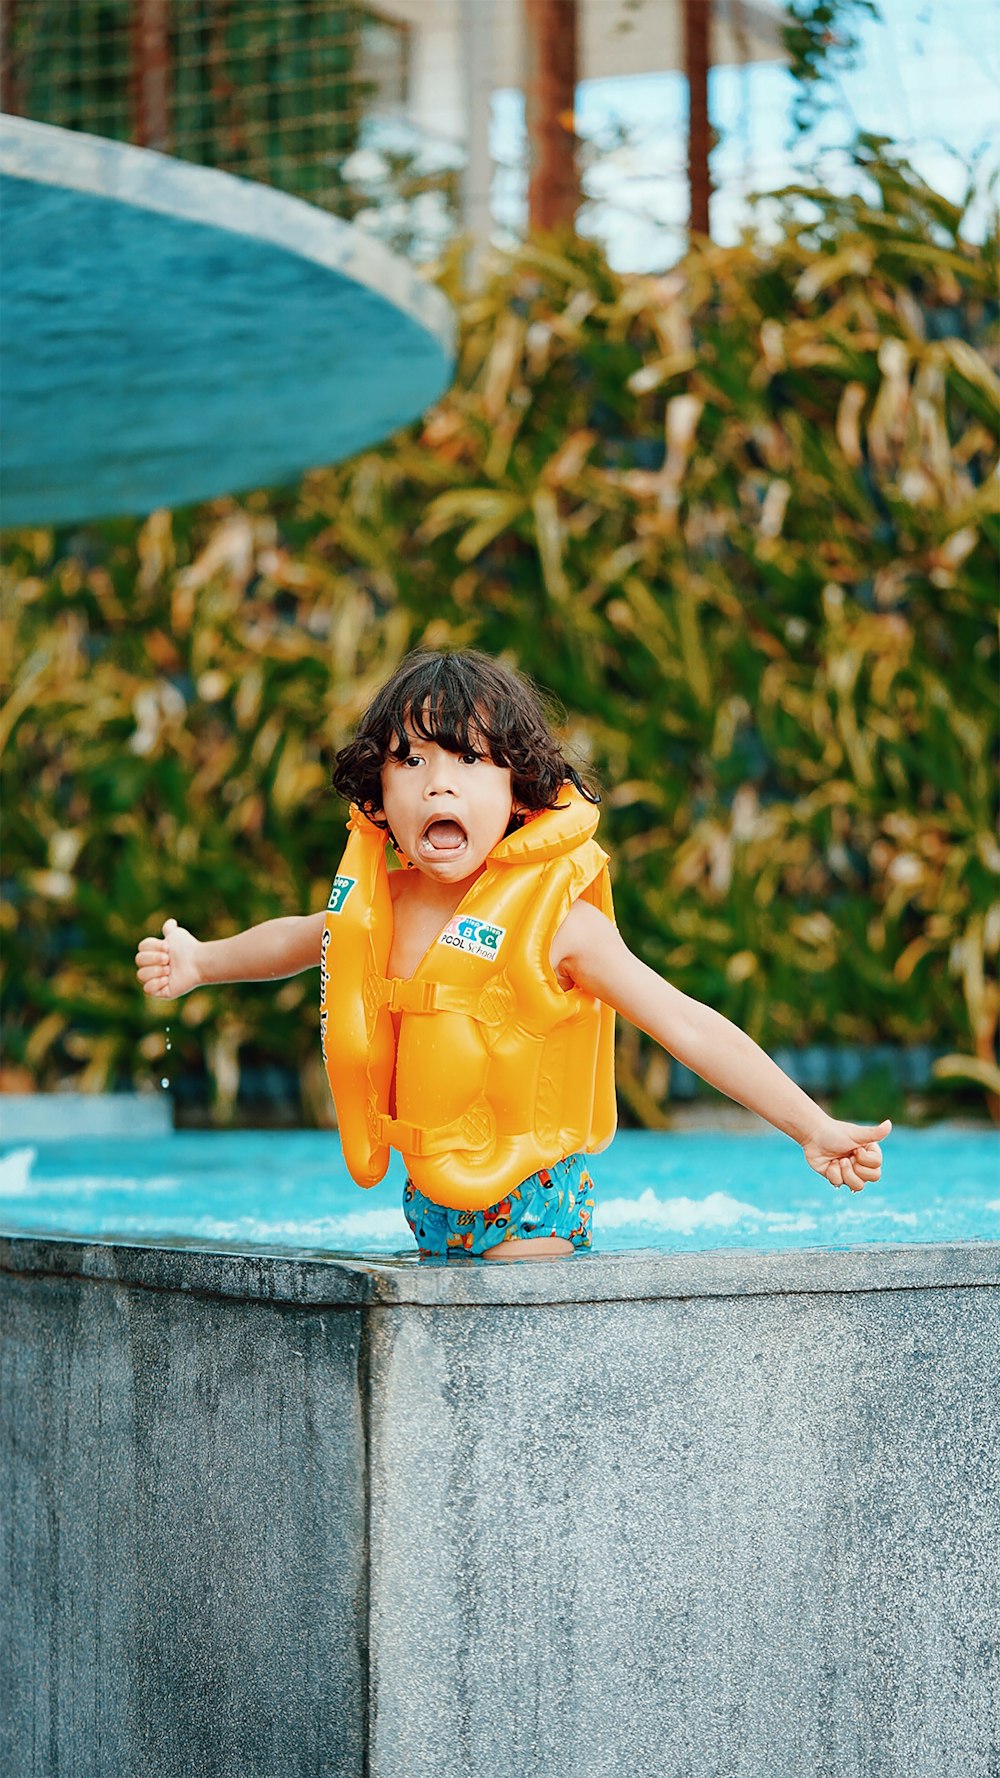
441, 778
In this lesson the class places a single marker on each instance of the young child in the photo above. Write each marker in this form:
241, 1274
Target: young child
471, 970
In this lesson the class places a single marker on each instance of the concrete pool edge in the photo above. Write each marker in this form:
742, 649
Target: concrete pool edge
287, 1275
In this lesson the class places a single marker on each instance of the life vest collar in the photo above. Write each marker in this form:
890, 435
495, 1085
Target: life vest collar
551, 832
544, 836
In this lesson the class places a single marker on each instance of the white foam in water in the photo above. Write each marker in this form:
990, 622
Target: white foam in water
855, 1215
322, 1231
93, 1185
684, 1216
15, 1173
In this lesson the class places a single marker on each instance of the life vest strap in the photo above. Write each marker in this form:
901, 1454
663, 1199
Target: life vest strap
426, 997
474, 1130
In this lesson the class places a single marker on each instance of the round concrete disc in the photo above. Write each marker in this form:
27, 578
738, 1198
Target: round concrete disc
170, 333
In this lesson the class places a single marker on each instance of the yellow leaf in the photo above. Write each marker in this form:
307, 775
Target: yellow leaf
907, 960
856, 260
741, 966
548, 535
498, 373
566, 463
848, 422
973, 367
478, 504
652, 376
22, 697
698, 672
43, 1037
957, 1067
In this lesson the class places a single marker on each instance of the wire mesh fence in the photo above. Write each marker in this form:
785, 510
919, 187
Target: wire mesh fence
275, 91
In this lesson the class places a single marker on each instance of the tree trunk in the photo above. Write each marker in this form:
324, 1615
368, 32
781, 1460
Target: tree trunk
697, 31
550, 93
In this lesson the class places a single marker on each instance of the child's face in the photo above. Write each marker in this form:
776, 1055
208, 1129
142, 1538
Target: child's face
446, 810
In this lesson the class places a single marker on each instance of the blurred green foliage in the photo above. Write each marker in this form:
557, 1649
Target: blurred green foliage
822, 42
741, 519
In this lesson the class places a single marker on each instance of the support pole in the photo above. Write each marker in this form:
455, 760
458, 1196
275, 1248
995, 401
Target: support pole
150, 74
550, 94
697, 31
478, 80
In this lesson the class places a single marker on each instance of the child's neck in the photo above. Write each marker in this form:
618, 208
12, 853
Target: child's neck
443, 897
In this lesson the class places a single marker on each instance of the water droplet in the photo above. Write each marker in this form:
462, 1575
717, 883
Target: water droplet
164, 1082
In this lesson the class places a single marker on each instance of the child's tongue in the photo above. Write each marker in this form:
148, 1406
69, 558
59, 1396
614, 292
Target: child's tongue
444, 836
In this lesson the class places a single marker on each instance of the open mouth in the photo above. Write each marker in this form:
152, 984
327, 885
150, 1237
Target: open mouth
442, 839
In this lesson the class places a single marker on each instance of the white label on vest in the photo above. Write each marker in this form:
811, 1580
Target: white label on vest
474, 936
342, 887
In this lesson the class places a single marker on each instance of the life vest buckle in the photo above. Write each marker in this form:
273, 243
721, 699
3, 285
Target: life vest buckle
399, 995
411, 996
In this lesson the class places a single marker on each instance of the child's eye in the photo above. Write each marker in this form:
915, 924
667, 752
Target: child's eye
471, 759
412, 759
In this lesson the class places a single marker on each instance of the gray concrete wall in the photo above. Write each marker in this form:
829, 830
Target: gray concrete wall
689, 1516
688, 1539
183, 1536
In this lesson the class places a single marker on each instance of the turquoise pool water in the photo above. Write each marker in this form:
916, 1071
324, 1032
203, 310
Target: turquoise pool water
674, 1192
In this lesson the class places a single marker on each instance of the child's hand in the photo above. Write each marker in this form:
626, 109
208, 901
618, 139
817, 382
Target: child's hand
847, 1154
167, 967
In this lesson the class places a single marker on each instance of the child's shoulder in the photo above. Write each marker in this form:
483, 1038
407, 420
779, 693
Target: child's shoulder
584, 931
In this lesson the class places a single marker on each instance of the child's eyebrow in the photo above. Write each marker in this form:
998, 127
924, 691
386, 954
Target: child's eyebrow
414, 739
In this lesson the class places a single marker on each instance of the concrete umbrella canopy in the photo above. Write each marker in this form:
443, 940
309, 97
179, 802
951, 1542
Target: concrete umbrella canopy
170, 333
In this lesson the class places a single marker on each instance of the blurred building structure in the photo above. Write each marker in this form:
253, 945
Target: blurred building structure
465, 50
285, 91
410, 115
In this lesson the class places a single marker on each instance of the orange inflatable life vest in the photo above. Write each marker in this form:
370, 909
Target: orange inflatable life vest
498, 1070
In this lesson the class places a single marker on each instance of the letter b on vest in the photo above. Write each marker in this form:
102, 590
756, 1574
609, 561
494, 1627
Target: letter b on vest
342, 887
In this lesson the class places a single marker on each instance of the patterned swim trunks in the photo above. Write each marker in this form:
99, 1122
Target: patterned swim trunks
557, 1200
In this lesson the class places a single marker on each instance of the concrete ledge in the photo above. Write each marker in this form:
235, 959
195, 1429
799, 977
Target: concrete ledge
719, 1515
286, 1275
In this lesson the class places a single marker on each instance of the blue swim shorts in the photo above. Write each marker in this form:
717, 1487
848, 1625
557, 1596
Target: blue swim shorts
557, 1200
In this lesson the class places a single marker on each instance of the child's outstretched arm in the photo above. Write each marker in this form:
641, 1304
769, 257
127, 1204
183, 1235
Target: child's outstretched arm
592, 954
172, 965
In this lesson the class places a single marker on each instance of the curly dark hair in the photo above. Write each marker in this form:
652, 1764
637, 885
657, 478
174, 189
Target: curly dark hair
466, 702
